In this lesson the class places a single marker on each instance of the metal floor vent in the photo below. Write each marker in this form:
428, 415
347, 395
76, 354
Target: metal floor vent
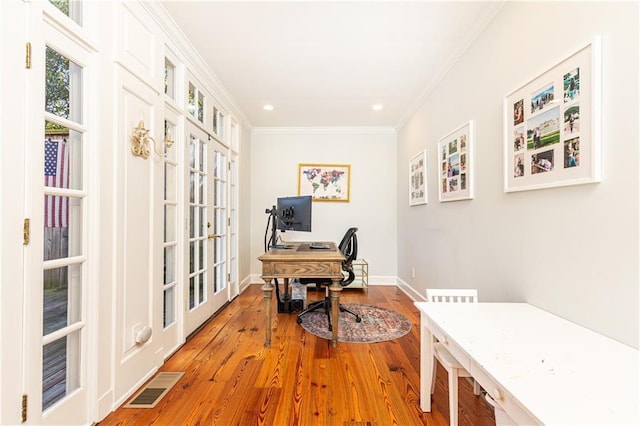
152, 392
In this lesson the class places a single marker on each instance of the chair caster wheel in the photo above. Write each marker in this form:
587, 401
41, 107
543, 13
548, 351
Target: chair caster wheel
358, 319
299, 320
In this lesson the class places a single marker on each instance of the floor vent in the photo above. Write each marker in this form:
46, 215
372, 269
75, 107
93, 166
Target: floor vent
152, 392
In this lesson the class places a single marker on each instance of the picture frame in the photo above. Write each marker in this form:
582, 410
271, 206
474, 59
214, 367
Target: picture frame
455, 164
552, 125
418, 179
325, 182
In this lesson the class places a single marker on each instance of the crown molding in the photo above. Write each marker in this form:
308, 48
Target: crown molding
323, 130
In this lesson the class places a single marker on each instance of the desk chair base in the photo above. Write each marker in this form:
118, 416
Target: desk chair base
326, 305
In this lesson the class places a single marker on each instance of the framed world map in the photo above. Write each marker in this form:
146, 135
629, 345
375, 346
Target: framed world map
324, 182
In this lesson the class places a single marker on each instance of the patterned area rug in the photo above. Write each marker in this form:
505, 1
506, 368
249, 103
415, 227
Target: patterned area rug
378, 324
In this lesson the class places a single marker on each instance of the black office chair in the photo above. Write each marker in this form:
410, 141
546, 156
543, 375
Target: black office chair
349, 248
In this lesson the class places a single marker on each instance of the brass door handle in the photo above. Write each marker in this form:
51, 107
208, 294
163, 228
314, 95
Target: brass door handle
211, 236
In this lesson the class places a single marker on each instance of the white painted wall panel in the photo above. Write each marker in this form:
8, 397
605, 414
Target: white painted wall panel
138, 43
135, 300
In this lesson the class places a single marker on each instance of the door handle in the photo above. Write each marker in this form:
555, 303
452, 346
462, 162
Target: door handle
211, 236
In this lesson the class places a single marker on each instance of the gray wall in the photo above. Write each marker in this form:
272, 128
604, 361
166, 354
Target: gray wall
569, 250
275, 155
244, 207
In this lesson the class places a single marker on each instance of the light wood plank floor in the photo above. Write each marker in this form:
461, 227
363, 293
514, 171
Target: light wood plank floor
232, 379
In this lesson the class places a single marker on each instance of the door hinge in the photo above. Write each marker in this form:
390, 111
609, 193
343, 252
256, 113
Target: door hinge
228, 277
228, 221
24, 408
27, 52
26, 231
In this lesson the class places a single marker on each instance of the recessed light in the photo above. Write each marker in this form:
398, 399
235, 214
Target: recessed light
377, 107
268, 107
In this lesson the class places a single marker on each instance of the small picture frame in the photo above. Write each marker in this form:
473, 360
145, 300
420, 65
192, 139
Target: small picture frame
455, 164
418, 179
324, 182
552, 125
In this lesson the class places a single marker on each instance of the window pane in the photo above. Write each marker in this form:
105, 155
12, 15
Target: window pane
192, 256
72, 9
60, 374
62, 242
63, 80
169, 264
219, 226
192, 152
200, 107
202, 157
62, 157
220, 251
170, 182
170, 223
203, 222
215, 120
221, 125
201, 193
192, 292
219, 280
192, 222
169, 307
62, 227
169, 79
192, 100
169, 135
62, 297
200, 288
192, 187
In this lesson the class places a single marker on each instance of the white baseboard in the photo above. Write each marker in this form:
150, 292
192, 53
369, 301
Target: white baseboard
411, 292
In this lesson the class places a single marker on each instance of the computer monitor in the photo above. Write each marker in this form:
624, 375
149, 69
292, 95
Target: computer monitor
294, 213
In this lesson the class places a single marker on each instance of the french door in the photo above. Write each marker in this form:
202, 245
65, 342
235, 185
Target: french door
57, 260
206, 288
218, 224
172, 333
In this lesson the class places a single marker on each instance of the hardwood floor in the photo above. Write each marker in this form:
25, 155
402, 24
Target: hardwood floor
232, 379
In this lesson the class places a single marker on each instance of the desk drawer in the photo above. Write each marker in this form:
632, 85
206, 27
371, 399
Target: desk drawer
505, 400
306, 269
450, 345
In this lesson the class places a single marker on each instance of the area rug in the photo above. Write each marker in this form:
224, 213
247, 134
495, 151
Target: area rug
378, 324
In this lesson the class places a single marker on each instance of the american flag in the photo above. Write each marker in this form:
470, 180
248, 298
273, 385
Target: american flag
56, 175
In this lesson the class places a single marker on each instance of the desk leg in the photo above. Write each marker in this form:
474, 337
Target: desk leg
426, 364
334, 294
267, 288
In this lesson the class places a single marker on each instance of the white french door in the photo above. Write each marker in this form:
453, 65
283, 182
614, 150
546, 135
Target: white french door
56, 259
206, 288
218, 224
172, 333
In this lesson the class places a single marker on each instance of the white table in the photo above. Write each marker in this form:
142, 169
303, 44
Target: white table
540, 368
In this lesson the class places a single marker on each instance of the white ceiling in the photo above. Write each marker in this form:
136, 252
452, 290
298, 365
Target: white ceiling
325, 63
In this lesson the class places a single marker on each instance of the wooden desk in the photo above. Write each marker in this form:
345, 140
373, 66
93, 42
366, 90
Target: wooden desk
540, 368
299, 261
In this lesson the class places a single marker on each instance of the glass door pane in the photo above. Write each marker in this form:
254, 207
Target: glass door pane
170, 228
220, 206
63, 229
197, 216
